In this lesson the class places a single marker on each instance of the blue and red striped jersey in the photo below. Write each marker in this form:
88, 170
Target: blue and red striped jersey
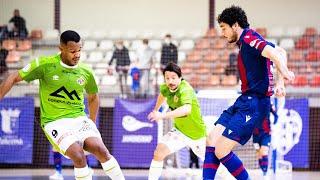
254, 69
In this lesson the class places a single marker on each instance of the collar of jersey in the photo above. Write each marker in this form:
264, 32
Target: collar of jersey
67, 66
244, 32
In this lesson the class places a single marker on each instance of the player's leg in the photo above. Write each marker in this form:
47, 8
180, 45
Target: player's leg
76, 154
239, 122
169, 143
156, 165
109, 164
263, 159
211, 165
120, 76
234, 165
61, 134
57, 165
264, 152
261, 142
211, 162
92, 142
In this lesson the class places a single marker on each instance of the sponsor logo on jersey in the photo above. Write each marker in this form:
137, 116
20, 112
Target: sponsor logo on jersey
175, 99
55, 77
80, 81
26, 68
70, 95
248, 117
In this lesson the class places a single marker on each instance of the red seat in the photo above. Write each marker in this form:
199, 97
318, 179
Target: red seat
303, 43
218, 69
195, 81
225, 55
194, 56
230, 80
211, 32
202, 70
212, 56
310, 31
203, 44
219, 43
24, 45
296, 55
313, 55
262, 31
214, 80
36, 34
186, 71
300, 80
315, 81
9, 44
13, 57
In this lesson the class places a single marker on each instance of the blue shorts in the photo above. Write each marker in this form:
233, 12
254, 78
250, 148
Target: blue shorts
261, 134
243, 116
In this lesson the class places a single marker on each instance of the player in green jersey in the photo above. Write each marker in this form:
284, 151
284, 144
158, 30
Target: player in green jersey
63, 82
189, 128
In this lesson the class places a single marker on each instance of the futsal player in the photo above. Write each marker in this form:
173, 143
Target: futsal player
189, 128
63, 81
236, 124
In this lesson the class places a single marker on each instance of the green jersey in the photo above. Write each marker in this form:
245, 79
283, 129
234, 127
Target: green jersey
191, 125
61, 87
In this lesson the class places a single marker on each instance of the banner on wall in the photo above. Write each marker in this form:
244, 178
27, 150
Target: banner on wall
16, 130
291, 132
91, 160
290, 135
211, 109
134, 136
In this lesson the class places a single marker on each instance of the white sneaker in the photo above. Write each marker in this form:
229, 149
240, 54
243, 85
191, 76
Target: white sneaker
266, 177
91, 171
56, 176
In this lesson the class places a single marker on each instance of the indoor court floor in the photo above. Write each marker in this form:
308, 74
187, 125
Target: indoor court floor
168, 174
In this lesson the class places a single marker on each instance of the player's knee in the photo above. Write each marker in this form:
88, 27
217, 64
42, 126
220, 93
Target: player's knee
161, 152
102, 151
209, 141
220, 151
79, 158
264, 150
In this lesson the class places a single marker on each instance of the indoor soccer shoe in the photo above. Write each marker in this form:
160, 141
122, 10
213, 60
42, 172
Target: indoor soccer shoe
56, 176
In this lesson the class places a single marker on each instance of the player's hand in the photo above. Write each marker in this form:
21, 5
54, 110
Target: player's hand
109, 71
290, 76
155, 116
280, 91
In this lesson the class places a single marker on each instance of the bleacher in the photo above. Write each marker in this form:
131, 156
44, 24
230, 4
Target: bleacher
207, 60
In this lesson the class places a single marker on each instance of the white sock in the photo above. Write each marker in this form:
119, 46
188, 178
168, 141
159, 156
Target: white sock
82, 173
112, 169
155, 170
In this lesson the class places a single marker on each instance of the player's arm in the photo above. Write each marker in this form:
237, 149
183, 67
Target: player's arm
184, 110
8, 83
279, 79
277, 56
179, 112
160, 100
93, 106
155, 114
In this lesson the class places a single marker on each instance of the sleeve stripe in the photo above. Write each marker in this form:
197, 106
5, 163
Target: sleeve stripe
257, 44
261, 45
37, 62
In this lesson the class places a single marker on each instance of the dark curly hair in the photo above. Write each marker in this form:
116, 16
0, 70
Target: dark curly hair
172, 67
69, 35
232, 15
